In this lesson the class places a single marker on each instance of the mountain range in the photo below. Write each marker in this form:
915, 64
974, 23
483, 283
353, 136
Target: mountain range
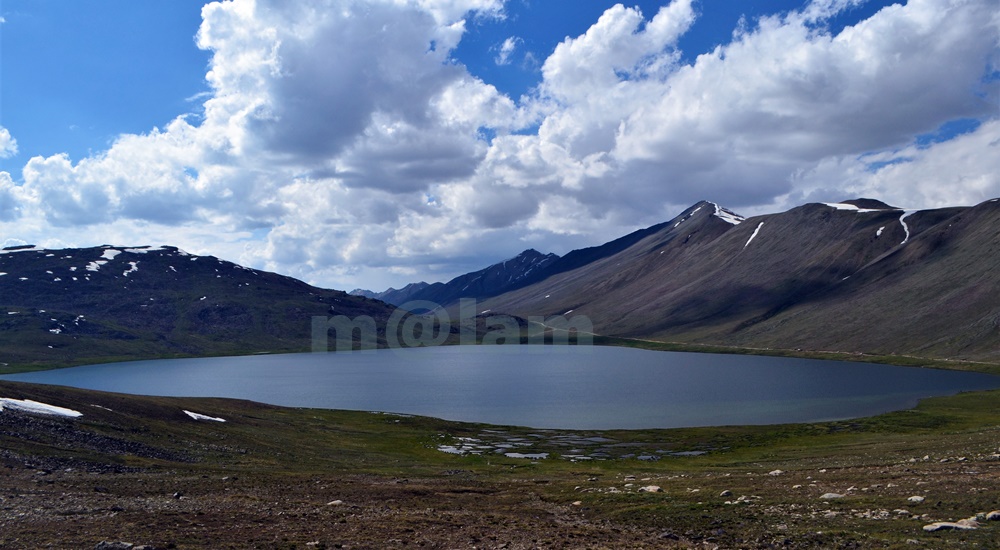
856, 276
86, 305
859, 276
520, 271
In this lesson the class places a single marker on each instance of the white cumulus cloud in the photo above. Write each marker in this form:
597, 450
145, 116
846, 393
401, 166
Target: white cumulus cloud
10, 205
8, 145
506, 50
960, 171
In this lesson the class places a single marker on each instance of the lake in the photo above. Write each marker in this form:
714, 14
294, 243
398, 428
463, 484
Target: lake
569, 387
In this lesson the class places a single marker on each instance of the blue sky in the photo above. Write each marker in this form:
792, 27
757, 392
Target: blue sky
75, 75
71, 85
369, 143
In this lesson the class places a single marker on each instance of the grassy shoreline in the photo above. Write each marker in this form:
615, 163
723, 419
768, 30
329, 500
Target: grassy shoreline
651, 345
859, 357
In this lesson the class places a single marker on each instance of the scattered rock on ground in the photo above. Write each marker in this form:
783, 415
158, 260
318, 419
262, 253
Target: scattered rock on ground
949, 526
916, 499
650, 489
830, 496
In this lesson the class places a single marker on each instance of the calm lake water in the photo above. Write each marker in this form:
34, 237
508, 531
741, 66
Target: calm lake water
541, 386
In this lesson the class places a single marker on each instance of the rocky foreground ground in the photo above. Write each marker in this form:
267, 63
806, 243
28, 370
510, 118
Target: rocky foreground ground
139, 471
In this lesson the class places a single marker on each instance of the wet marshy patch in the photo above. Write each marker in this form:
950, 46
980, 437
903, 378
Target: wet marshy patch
543, 444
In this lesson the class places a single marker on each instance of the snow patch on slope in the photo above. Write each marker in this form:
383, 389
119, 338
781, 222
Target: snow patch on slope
32, 249
727, 215
693, 212
197, 416
906, 228
755, 231
35, 407
846, 206
144, 250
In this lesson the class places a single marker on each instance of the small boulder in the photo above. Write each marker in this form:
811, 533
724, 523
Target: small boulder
972, 522
650, 489
993, 516
335, 503
916, 499
726, 493
775, 472
830, 496
948, 526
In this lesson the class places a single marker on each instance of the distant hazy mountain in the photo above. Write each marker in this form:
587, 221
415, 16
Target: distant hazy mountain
392, 296
854, 276
110, 303
491, 281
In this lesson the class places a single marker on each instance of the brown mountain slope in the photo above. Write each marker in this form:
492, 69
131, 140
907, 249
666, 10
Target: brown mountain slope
611, 288
818, 276
937, 295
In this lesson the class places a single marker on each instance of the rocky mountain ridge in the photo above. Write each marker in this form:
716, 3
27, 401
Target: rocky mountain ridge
83, 305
